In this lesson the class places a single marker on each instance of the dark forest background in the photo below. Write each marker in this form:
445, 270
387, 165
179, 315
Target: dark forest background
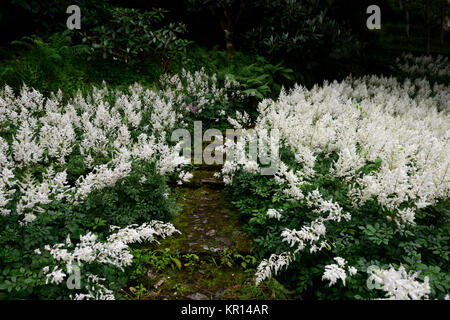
316, 39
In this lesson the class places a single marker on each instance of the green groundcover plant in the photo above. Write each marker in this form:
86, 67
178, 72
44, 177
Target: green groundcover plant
83, 178
80, 182
358, 207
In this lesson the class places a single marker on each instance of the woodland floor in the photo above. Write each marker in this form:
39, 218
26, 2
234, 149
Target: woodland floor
212, 255
210, 248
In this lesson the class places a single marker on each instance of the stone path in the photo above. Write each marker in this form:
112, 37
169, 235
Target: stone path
211, 232
207, 220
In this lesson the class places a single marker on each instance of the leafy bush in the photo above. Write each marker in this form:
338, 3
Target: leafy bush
257, 77
140, 197
69, 170
360, 190
261, 78
302, 32
46, 65
131, 34
435, 69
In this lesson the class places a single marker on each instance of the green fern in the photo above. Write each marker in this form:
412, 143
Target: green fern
46, 64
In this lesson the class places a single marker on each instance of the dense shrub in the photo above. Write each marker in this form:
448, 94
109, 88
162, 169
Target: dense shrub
131, 34
46, 64
435, 69
301, 32
69, 172
362, 184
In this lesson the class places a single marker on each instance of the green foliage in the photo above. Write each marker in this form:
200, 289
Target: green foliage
257, 76
259, 79
369, 238
157, 260
131, 35
191, 260
50, 15
269, 290
301, 31
46, 65
132, 201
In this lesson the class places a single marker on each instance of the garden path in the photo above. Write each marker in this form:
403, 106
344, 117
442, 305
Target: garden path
210, 248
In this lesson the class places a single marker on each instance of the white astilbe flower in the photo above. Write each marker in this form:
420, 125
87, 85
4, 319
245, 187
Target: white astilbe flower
6, 178
400, 285
58, 136
334, 272
103, 176
400, 130
114, 251
276, 214
96, 290
26, 149
423, 65
406, 216
262, 145
184, 177
53, 187
312, 234
272, 265
308, 235
293, 180
56, 276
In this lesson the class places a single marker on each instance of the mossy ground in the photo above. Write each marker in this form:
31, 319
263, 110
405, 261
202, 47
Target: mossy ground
210, 259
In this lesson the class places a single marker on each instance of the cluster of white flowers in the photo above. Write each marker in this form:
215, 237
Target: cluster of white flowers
96, 290
423, 65
398, 284
47, 131
113, 251
334, 271
316, 230
52, 187
204, 88
241, 119
272, 265
308, 235
405, 127
185, 177
272, 213
244, 147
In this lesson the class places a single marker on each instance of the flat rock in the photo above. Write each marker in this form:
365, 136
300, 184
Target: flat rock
212, 249
224, 240
150, 274
197, 296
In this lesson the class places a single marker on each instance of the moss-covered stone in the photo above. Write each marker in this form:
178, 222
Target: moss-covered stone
210, 229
